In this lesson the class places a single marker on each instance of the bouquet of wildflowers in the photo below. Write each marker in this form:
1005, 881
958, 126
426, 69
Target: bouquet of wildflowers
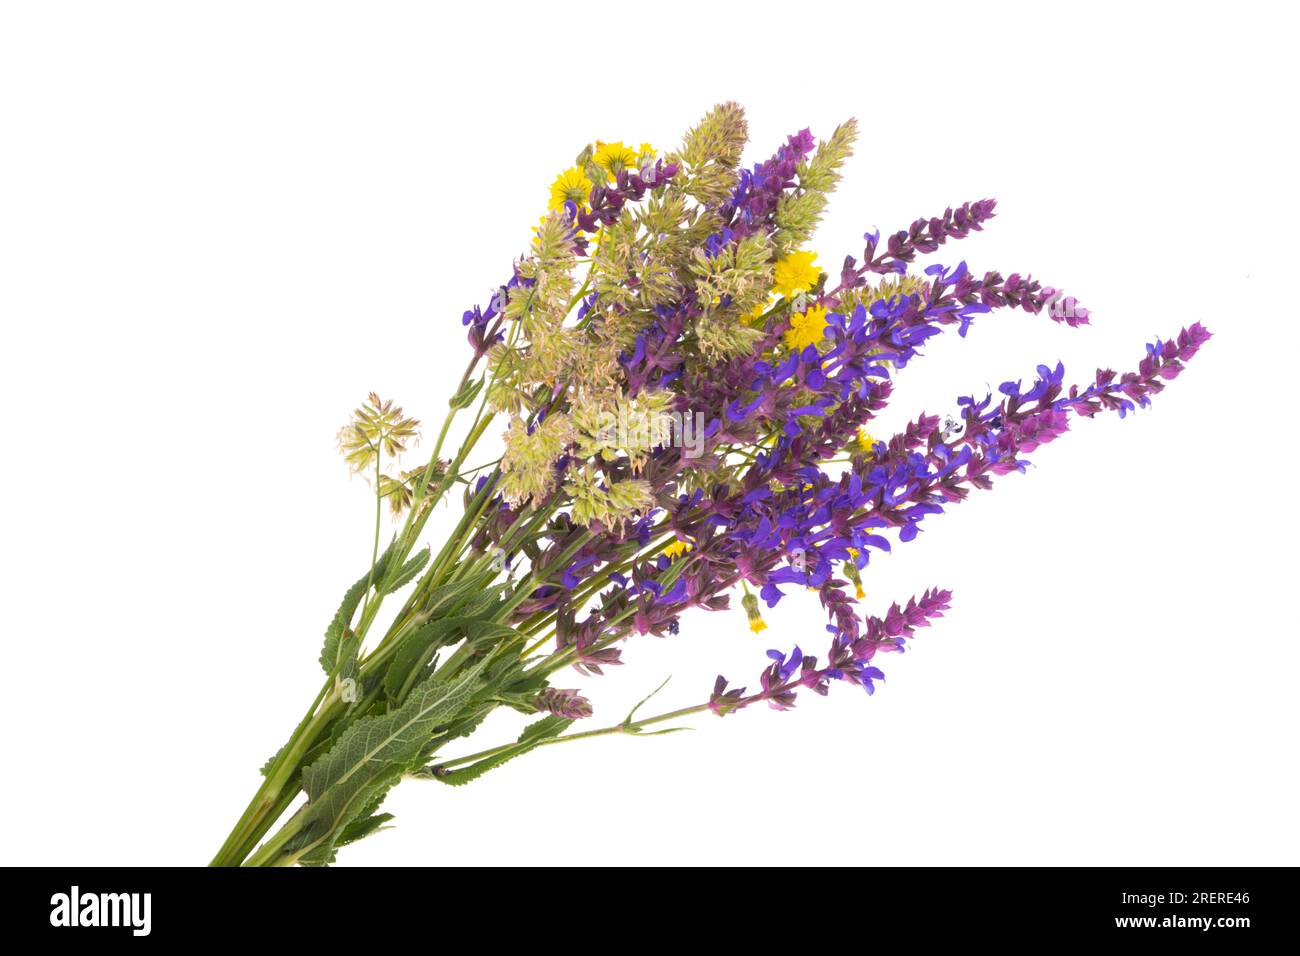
683, 395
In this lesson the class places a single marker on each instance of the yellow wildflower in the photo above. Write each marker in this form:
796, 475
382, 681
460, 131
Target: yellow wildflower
614, 158
795, 273
806, 328
864, 444
572, 184
756, 622
851, 569
677, 549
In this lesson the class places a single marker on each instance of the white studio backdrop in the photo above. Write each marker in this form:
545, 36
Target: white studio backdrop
222, 224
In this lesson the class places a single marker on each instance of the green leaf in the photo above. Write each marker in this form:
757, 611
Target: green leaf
358, 829
415, 652
533, 736
417, 649
371, 755
521, 694
266, 767
464, 398
485, 601
409, 571
446, 597
340, 643
464, 725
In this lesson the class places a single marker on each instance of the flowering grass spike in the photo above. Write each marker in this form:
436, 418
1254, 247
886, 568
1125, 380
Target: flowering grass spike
685, 398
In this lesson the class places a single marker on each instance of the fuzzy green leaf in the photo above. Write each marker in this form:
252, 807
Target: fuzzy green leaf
533, 736
468, 392
447, 597
358, 829
409, 571
340, 643
417, 649
371, 755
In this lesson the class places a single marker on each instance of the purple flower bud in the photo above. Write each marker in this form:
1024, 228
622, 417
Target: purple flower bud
563, 703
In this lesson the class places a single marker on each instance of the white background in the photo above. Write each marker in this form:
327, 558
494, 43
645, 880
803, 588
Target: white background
222, 224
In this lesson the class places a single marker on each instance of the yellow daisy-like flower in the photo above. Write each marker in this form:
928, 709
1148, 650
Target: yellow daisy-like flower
572, 184
795, 273
864, 444
677, 549
756, 622
806, 328
614, 158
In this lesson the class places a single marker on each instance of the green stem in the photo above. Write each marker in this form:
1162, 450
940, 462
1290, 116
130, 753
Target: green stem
260, 828
262, 809
379, 516
625, 727
269, 852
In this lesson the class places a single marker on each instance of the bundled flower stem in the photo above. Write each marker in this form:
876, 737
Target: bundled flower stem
683, 395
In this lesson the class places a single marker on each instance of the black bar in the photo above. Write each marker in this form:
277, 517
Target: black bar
556, 905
